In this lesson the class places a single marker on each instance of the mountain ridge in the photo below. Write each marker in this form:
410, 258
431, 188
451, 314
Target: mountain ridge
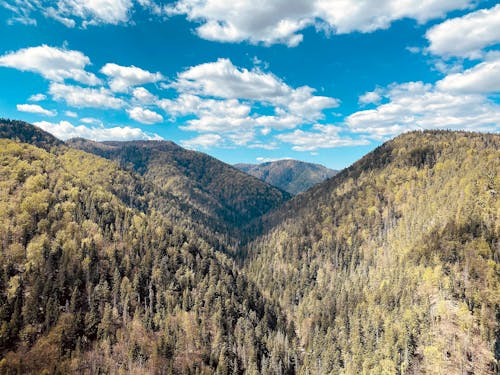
390, 266
403, 241
293, 176
96, 279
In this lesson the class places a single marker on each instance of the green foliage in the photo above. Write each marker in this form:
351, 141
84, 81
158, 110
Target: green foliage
93, 279
293, 176
215, 195
136, 265
392, 266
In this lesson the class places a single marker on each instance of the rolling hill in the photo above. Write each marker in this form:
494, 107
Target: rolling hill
293, 176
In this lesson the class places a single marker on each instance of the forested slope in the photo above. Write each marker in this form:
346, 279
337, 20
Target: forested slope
225, 197
94, 280
293, 176
112, 266
392, 266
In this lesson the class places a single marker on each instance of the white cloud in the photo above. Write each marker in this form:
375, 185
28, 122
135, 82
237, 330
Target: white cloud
262, 159
121, 78
71, 114
191, 104
22, 11
203, 141
91, 121
466, 36
143, 96
280, 21
323, 136
224, 80
55, 64
66, 130
482, 78
242, 96
234, 102
37, 98
93, 12
264, 146
35, 108
371, 97
416, 105
83, 97
144, 116
413, 49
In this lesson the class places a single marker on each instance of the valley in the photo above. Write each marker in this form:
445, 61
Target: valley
144, 257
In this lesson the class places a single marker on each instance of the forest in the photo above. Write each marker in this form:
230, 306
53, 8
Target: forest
143, 257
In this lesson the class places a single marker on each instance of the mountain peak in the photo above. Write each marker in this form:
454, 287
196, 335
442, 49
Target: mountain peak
293, 176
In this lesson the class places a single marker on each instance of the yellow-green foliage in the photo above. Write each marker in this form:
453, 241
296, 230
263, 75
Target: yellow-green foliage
94, 279
393, 265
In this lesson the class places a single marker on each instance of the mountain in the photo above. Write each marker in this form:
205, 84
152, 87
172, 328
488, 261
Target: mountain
293, 176
95, 280
393, 265
113, 265
27, 133
225, 198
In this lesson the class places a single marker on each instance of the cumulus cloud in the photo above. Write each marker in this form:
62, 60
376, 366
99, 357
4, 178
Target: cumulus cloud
322, 136
144, 116
371, 97
55, 64
35, 108
84, 97
91, 121
280, 21
203, 141
220, 97
121, 78
191, 104
415, 105
37, 98
466, 36
224, 97
66, 130
68, 12
482, 78
224, 80
143, 96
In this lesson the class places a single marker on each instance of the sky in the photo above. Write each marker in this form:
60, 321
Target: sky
324, 81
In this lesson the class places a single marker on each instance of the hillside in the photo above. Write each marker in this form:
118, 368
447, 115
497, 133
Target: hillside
136, 264
393, 265
94, 280
225, 196
293, 176
27, 133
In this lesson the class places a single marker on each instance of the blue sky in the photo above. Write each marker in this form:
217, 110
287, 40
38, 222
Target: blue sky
251, 81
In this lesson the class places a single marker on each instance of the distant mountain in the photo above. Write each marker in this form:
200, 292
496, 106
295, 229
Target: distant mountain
228, 198
293, 176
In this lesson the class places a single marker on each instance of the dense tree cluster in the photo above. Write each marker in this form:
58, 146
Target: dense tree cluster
92, 284
219, 197
393, 266
138, 264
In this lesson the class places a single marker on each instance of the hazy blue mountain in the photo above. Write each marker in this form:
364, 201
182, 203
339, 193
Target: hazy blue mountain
293, 176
